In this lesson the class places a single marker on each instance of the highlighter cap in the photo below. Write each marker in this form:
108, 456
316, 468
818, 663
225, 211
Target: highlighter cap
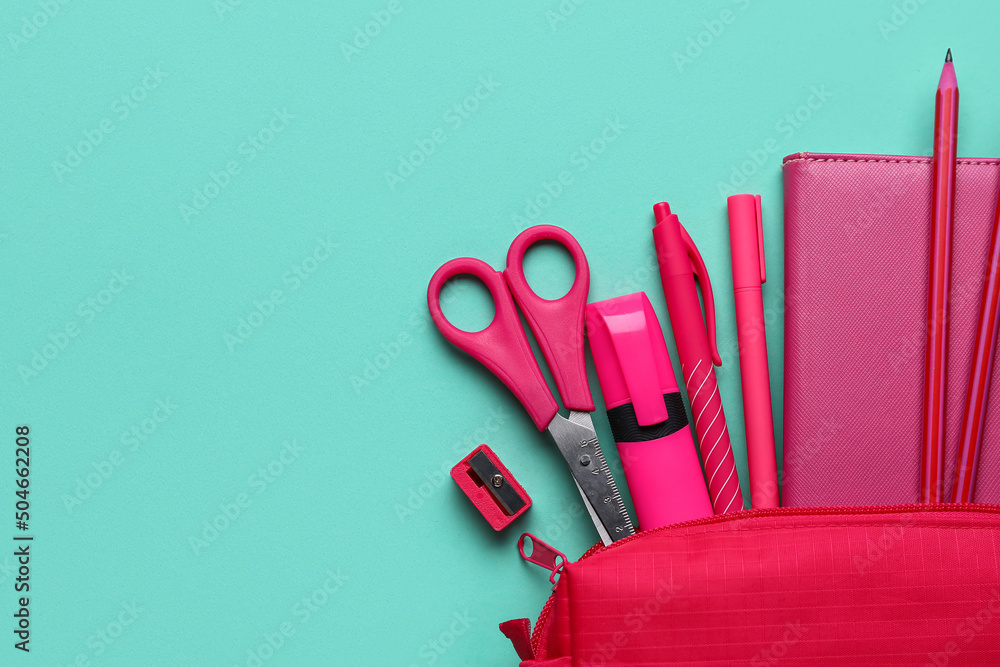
746, 238
633, 365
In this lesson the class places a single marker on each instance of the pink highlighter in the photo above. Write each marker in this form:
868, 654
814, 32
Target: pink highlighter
646, 412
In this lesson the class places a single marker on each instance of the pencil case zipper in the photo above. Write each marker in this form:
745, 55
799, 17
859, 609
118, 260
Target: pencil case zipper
735, 517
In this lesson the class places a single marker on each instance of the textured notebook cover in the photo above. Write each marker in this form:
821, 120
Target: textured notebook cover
857, 249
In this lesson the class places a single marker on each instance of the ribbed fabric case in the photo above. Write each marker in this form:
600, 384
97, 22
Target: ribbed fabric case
807, 587
857, 256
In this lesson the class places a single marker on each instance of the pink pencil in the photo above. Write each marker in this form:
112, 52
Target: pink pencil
942, 212
979, 377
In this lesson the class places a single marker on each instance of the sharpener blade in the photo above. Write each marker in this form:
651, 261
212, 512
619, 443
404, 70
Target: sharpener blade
496, 483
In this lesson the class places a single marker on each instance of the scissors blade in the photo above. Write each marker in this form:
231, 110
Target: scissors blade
577, 442
601, 530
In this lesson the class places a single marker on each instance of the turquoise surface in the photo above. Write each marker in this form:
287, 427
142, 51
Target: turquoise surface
221, 220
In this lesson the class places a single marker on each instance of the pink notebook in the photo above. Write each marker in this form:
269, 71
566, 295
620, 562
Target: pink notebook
857, 249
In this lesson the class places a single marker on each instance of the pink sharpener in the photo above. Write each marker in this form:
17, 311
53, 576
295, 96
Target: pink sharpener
491, 487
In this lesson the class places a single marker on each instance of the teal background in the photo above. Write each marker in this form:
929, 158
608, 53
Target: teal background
361, 503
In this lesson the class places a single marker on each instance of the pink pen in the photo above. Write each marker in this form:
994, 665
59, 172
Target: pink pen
747, 243
679, 262
646, 412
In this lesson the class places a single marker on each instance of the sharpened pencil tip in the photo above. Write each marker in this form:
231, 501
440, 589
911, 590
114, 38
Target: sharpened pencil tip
947, 58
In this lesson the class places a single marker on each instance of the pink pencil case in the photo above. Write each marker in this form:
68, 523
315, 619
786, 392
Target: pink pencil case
897, 585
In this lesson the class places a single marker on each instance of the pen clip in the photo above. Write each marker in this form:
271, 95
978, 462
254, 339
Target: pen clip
760, 239
701, 271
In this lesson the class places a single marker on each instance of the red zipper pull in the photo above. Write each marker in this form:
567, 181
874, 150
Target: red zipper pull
542, 554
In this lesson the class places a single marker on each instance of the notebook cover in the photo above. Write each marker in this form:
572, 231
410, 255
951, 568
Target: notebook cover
857, 255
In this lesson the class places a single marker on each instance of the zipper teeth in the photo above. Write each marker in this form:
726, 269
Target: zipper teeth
543, 617
536, 634
802, 511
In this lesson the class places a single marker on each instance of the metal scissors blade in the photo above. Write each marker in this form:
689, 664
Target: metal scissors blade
577, 442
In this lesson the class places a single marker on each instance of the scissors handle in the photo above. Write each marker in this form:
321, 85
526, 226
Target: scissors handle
502, 346
557, 324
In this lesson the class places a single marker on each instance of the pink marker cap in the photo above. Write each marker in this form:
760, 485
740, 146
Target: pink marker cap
746, 227
632, 361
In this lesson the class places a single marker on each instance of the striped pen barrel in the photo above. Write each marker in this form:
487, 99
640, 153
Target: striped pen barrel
942, 214
678, 257
713, 437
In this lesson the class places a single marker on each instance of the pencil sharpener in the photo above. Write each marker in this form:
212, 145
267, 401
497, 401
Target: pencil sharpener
491, 487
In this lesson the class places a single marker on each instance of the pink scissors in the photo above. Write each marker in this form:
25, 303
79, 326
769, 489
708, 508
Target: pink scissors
558, 327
